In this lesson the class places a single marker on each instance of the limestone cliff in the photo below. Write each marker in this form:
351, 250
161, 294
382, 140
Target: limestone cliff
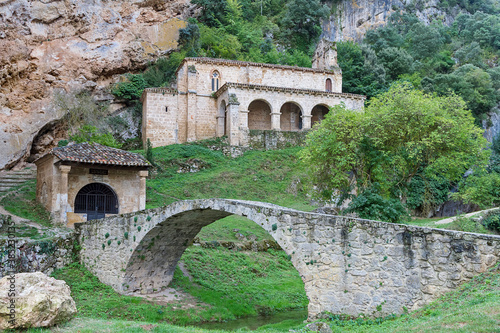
72, 44
351, 19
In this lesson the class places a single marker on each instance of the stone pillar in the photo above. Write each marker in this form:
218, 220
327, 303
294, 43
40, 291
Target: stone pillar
233, 121
142, 190
244, 131
192, 85
306, 122
63, 193
275, 121
221, 124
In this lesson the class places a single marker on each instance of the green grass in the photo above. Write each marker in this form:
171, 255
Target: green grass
230, 284
473, 307
242, 283
22, 202
257, 175
222, 230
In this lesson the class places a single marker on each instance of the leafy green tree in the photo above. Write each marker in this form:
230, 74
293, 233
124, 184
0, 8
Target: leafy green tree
301, 23
90, 134
396, 61
189, 39
403, 133
425, 41
212, 11
358, 75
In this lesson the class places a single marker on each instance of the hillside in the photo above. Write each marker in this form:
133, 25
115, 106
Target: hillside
40, 81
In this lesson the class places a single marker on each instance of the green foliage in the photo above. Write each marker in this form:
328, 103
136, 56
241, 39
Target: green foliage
425, 55
91, 134
424, 194
131, 88
79, 108
466, 224
22, 202
369, 204
301, 23
492, 221
402, 134
480, 188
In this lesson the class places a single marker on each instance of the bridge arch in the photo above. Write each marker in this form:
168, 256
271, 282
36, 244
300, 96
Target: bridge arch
348, 266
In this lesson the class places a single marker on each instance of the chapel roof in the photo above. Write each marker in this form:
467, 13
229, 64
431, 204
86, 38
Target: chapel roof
95, 153
229, 62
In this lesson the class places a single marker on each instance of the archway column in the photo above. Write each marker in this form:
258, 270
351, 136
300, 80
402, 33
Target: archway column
63, 192
306, 121
142, 190
244, 131
233, 120
275, 121
221, 123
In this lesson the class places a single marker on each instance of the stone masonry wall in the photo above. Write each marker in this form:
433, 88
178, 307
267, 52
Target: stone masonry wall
44, 255
349, 266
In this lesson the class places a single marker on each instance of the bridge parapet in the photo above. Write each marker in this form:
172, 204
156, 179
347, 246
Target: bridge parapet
349, 266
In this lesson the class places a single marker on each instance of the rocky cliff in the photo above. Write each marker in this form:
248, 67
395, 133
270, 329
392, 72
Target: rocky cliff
72, 44
351, 19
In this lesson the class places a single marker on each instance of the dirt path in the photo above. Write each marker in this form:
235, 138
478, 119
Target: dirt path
453, 218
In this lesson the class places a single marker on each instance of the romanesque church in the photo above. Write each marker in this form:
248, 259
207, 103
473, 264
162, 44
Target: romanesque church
217, 97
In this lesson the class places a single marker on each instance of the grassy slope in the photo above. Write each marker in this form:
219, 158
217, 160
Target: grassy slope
474, 307
236, 284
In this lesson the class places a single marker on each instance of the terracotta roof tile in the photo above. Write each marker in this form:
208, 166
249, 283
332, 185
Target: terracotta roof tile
95, 153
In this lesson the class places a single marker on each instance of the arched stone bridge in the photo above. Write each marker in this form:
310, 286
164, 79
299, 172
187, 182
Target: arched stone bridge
349, 266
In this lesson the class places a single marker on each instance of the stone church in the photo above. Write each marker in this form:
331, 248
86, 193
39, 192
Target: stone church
217, 97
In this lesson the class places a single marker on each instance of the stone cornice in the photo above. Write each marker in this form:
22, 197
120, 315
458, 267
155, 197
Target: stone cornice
239, 63
245, 86
160, 90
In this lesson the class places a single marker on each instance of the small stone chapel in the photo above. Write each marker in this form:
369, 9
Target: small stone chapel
217, 97
87, 181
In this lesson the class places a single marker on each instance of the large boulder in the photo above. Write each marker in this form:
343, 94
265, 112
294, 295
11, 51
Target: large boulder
39, 300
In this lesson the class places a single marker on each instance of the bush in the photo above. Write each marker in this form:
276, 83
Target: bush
492, 221
90, 134
371, 205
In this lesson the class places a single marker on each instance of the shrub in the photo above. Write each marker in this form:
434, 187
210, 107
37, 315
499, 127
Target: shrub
492, 221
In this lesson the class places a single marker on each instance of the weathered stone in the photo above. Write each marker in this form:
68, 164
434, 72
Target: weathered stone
325, 261
39, 301
319, 327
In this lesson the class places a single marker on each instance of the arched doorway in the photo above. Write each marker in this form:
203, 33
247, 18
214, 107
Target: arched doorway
318, 113
96, 200
221, 120
291, 117
259, 115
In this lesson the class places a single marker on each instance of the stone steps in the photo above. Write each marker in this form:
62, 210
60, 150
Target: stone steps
14, 178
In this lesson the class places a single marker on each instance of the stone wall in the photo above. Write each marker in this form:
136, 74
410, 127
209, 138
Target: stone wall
44, 255
269, 140
349, 266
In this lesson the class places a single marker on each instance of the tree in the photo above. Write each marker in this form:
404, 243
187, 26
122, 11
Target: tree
91, 134
301, 23
402, 134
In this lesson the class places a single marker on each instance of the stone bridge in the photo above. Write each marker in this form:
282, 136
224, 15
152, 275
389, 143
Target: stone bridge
349, 266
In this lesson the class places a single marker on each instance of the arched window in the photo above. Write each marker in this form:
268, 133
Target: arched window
215, 81
328, 85
96, 200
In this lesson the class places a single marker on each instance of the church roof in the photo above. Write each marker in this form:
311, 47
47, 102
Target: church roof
95, 153
229, 62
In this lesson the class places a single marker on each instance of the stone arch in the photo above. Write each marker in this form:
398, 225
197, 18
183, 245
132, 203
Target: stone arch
318, 113
222, 119
96, 200
259, 115
291, 117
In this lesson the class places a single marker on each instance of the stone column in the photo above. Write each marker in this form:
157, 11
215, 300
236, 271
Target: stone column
192, 85
142, 190
63, 193
275, 121
233, 121
244, 131
306, 122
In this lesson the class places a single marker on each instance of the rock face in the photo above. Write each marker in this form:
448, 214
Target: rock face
351, 19
40, 301
70, 44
